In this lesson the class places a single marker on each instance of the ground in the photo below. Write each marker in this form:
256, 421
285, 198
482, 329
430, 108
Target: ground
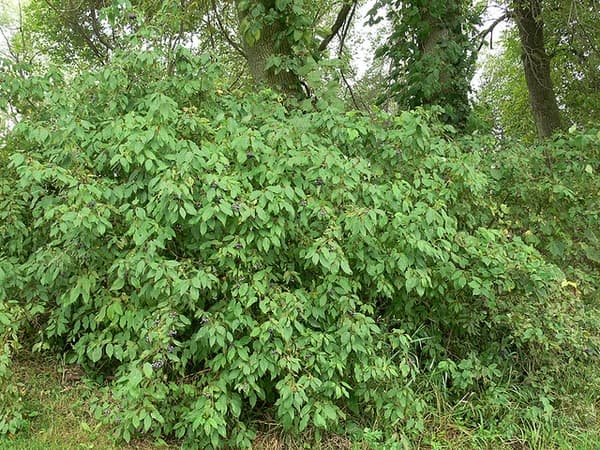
56, 399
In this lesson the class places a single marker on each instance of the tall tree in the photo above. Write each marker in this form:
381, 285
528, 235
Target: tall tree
536, 66
430, 52
571, 38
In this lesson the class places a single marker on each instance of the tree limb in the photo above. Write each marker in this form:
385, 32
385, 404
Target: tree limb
489, 29
237, 47
77, 28
346, 28
97, 31
339, 22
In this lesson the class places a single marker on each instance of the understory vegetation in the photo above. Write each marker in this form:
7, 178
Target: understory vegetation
224, 265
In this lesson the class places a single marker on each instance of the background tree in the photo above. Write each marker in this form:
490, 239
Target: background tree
503, 97
572, 39
536, 65
274, 35
281, 42
431, 53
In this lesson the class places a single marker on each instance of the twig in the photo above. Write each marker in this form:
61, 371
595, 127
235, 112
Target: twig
354, 101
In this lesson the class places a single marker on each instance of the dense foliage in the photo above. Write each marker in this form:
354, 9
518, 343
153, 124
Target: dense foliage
220, 246
221, 254
549, 195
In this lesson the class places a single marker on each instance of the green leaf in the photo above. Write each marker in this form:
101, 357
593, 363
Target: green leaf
117, 284
147, 370
345, 267
319, 421
94, 353
5, 319
17, 159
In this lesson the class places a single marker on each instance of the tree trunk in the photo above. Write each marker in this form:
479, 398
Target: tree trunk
437, 35
444, 55
271, 43
536, 65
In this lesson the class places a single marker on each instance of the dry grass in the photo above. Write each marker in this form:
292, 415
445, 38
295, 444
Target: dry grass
279, 441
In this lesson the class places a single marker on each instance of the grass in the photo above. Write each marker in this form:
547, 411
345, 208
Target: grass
56, 406
56, 403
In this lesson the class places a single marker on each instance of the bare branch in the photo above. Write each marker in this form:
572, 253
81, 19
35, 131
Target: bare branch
339, 22
481, 36
352, 95
9, 47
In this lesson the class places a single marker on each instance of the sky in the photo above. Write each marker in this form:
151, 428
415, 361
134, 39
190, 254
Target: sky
364, 37
9, 12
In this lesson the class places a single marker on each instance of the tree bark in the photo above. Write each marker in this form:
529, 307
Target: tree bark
438, 34
443, 53
271, 43
536, 66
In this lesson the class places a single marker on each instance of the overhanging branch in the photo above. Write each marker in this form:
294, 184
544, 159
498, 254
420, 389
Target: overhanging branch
235, 45
339, 23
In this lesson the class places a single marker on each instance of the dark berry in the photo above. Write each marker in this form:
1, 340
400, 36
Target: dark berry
158, 364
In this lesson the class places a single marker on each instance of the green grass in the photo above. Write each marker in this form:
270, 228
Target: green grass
56, 408
56, 404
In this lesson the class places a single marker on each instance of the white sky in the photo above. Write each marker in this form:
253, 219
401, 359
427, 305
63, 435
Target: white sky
9, 18
363, 38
